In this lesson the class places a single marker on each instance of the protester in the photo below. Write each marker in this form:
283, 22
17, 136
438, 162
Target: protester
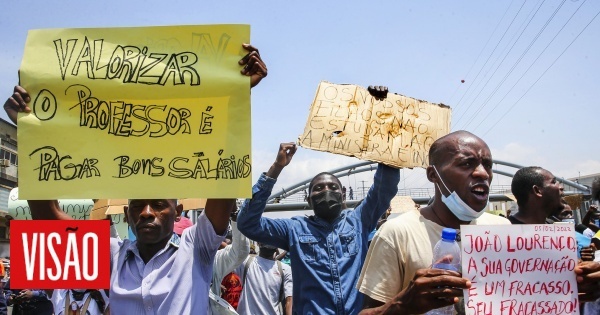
183, 223
591, 217
226, 260
565, 215
266, 284
3, 306
158, 273
327, 249
395, 277
539, 195
84, 302
27, 301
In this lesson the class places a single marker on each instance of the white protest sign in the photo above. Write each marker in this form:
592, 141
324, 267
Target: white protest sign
520, 269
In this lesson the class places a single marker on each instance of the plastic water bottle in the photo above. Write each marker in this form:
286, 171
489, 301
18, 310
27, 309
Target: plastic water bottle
446, 255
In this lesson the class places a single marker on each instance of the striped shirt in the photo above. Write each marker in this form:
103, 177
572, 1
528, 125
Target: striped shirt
175, 281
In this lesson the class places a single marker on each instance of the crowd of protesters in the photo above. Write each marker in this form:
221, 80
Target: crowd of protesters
176, 267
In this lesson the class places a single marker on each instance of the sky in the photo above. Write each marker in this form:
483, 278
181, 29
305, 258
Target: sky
421, 49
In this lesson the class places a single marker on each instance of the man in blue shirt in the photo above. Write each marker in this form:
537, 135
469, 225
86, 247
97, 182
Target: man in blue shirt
327, 250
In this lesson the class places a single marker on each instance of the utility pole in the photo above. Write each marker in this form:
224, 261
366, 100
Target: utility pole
363, 188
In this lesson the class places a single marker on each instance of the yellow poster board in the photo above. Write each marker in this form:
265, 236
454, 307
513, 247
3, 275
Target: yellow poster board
397, 131
141, 112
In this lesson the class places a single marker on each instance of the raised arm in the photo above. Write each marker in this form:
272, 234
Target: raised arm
40, 209
228, 258
250, 220
385, 183
587, 219
384, 188
218, 212
254, 66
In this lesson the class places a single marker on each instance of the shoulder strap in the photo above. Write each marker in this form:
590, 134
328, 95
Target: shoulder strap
86, 305
246, 266
281, 293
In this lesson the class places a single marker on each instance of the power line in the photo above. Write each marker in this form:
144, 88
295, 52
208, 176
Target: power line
527, 70
488, 58
502, 61
481, 52
537, 36
504, 53
538, 79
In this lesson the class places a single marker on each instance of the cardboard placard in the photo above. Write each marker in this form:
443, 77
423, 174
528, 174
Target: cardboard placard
397, 131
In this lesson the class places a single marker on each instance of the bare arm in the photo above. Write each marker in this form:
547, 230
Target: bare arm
218, 212
587, 219
288, 305
281, 255
47, 210
40, 209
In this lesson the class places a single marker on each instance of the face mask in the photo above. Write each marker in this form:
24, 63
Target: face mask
459, 208
327, 204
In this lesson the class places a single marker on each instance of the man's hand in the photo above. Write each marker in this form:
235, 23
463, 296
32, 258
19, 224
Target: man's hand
284, 157
254, 66
25, 295
17, 103
285, 154
588, 281
379, 92
429, 289
588, 253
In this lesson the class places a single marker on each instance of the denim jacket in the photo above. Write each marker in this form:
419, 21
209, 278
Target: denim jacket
326, 259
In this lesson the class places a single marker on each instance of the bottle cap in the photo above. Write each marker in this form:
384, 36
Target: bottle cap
449, 234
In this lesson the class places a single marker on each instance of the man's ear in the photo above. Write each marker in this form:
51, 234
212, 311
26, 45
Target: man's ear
125, 212
431, 174
537, 191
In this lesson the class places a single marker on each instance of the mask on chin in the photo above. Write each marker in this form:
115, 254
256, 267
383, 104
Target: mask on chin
457, 206
327, 204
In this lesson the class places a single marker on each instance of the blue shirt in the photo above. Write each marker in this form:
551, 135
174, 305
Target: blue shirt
175, 281
326, 258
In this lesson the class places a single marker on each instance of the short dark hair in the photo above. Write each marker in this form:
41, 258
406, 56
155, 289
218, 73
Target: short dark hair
437, 151
524, 180
596, 189
310, 186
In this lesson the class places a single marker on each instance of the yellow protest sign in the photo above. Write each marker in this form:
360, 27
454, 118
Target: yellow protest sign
143, 112
397, 131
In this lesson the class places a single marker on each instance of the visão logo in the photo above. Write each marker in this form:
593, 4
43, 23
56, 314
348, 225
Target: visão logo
60, 254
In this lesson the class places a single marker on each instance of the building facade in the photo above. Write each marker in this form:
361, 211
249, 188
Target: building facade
8, 176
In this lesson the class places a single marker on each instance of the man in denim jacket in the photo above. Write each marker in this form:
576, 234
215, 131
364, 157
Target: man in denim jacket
327, 250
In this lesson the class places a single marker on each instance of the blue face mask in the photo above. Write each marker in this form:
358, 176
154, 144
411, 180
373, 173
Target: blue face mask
459, 208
